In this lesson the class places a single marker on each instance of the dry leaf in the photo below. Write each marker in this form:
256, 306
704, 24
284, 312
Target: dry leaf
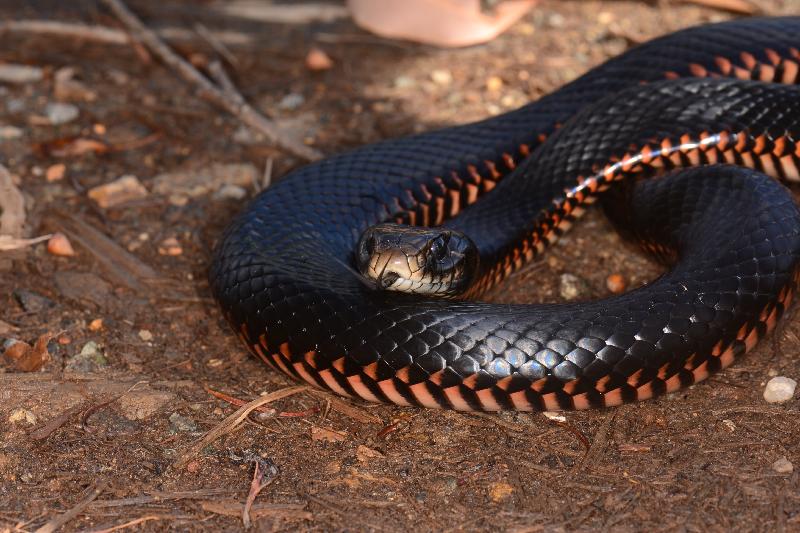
27, 358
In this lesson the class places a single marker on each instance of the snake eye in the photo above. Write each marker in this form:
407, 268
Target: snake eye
438, 247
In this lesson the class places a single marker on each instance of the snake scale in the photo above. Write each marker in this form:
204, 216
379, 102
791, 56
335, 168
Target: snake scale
679, 138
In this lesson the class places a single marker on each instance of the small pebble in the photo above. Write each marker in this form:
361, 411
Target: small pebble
442, 77
404, 82
291, 101
125, 189
571, 286
615, 283
783, 466
18, 74
32, 302
170, 246
494, 83
89, 359
145, 335
182, 423
317, 59
96, 324
59, 245
55, 172
10, 132
231, 192
60, 113
779, 389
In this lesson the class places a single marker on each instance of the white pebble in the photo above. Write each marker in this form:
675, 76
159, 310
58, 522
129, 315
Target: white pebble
231, 192
442, 77
10, 132
783, 466
58, 113
779, 389
145, 335
13, 73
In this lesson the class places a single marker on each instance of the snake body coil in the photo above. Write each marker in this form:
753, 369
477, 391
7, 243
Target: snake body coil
713, 97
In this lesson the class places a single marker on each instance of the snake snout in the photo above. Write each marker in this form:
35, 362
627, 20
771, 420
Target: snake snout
431, 261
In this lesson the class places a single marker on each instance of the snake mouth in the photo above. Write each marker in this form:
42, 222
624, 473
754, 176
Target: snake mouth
426, 261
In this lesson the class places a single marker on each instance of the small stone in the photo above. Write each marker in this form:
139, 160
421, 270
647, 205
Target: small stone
605, 18
325, 434
170, 247
59, 245
554, 416
22, 415
214, 362
442, 77
19, 74
404, 82
124, 189
500, 491
142, 404
572, 287
182, 423
32, 302
556, 20
145, 335
96, 324
615, 283
83, 287
779, 389
783, 466
317, 59
494, 83
89, 359
10, 132
55, 172
60, 113
291, 101
231, 192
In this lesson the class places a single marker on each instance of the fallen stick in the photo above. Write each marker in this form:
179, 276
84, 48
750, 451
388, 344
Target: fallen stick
12, 206
106, 35
62, 519
230, 423
206, 89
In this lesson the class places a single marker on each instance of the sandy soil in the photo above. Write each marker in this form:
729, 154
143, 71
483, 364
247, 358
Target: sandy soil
107, 429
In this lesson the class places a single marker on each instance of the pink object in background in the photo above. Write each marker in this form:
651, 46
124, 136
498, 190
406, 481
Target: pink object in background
448, 23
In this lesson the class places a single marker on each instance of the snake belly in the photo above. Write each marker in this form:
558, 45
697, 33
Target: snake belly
676, 137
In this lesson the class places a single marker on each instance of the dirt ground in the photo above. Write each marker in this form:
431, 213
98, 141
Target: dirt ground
107, 433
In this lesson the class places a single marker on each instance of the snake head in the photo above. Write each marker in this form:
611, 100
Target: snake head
430, 261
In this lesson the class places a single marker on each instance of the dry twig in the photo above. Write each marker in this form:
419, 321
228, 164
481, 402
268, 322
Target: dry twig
262, 478
105, 35
12, 206
206, 89
62, 519
230, 423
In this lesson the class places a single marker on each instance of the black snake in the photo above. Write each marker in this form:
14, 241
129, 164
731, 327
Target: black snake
723, 99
